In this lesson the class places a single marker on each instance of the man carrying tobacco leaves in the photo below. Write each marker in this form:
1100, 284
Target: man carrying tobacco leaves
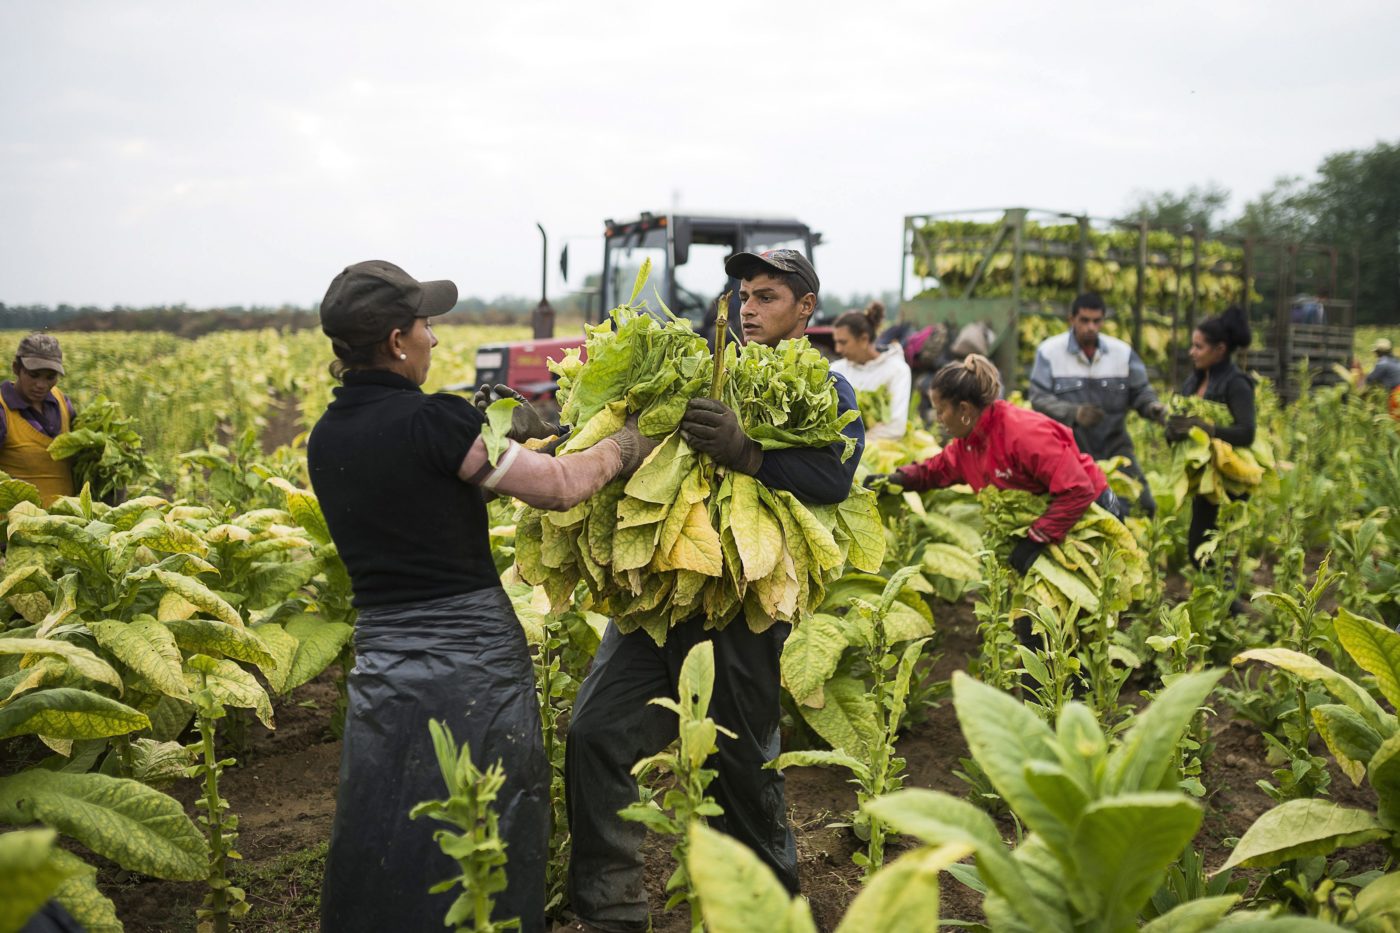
613, 725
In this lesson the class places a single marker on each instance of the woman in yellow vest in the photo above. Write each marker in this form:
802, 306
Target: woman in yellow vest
35, 413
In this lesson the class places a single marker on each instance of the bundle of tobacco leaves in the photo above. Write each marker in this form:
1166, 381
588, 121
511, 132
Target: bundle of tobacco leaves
683, 537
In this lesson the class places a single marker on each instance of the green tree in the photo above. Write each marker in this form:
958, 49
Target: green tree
1197, 206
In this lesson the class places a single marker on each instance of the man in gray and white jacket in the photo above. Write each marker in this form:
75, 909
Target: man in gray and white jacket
1090, 381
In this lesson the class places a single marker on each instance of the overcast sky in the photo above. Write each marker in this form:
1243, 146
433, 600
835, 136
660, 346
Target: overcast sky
244, 152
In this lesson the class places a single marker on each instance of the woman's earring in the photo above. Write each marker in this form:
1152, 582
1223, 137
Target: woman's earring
403, 356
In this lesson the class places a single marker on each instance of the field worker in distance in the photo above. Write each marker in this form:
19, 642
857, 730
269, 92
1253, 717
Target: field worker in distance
614, 726
402, 477
35, 413
1386, 373
868, 368
1090, 381
998, 444
1216, 379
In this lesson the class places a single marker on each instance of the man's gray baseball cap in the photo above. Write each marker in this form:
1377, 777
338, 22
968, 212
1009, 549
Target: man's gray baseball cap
747, 265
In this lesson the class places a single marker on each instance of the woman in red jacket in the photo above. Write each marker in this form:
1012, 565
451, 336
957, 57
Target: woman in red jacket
997, 444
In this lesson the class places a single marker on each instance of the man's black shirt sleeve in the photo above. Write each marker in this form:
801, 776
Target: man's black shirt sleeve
817, 475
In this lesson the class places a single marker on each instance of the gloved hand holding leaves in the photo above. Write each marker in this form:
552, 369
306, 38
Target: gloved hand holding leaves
1179, 426
1156, 412
525, 423
635, 447
887, 483
712, 428
1024, 554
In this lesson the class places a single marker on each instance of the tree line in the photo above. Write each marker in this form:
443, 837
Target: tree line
1351, 202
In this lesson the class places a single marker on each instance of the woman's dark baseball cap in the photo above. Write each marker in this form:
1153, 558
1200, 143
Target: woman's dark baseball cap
369, 299
788, 261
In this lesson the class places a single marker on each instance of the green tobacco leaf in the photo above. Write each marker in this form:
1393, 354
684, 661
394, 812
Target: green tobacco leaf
820, 758
1378, 905
69, 713
210, 637
737, 892
81, 898
169, 539
938, 818
1198, 916
199, 594
1302, 829
1121, 849
82, 661
1068, 582
860, 516
952, 562
1141, 763
810, 656
757, 534
230, 684
847, 718
283, 648
494, 432
1351, 740
31, 872
141, 829
147, 648
1004, 736
1384, 773
1341, 687
319, 643
902, 897
1375, 649
304, 509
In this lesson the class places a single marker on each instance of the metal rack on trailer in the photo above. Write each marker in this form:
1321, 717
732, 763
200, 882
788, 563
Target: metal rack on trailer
1261, 274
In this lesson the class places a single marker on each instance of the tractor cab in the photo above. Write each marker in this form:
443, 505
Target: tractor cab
687, 256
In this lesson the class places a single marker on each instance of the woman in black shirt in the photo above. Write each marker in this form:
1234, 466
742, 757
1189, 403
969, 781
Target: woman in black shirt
399, 475
1216, 379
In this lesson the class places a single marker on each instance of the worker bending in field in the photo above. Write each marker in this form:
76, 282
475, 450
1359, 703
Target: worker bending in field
869, 369
1090, 381
36, 412
402, 477
614, 726
998, 444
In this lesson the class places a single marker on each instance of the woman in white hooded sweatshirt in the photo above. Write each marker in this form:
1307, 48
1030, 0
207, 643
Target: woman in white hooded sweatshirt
867, 368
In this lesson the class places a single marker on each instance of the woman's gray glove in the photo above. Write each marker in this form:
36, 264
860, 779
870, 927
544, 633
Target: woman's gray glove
525, 423
635, 447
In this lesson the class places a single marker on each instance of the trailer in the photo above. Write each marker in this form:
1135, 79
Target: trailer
1004, 266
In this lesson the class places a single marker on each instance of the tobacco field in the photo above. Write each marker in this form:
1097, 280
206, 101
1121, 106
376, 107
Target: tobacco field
173, 648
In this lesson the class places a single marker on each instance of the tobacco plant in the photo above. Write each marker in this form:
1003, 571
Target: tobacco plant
225, 901
477, 846
687, 802
872, 759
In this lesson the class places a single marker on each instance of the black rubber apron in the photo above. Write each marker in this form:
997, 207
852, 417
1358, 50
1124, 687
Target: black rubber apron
462, 660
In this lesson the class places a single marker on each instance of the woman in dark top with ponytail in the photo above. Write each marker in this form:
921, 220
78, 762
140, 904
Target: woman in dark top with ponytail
1216, 379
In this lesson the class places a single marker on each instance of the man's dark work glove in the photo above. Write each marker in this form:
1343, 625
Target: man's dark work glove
1179, 426
1156, 412
525, 422
1024, 554
1086, 416
710, 427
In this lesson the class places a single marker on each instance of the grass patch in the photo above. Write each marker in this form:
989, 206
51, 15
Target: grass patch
285, 892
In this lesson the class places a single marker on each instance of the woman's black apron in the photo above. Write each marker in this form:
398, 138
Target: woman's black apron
464, 661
